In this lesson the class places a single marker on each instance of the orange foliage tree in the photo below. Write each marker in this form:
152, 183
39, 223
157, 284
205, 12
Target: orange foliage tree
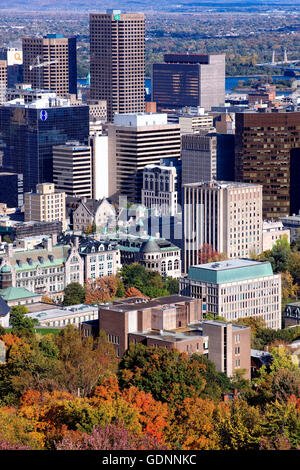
101, 290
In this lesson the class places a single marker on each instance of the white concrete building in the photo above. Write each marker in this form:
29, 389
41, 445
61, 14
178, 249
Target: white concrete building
99, 144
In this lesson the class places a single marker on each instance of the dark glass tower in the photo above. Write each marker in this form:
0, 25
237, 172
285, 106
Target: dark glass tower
29, 133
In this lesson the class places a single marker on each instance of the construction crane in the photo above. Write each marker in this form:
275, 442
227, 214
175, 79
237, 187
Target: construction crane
38, 65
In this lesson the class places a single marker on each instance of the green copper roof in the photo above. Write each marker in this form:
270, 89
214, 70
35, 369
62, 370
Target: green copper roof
15, 293
230, 271
5, 269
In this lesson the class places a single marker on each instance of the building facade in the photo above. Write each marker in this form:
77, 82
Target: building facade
265, 143
47, 204
101, 257
152, 323
189, 80
273, 231
159, 189
237, 288
72, 169
134, 141
225, 215
45, 270
117, 63
155, 254
229, 347
207, 155
59, 56
11, 188
30, 130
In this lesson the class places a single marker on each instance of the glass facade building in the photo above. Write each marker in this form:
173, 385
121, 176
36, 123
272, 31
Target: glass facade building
29, 133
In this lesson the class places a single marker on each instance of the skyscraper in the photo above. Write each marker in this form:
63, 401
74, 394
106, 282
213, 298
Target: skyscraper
29, 131
3, 79
117, 65
267, 152
134, 141
189, 80
14, 60
225, 215
59, 72
72, 169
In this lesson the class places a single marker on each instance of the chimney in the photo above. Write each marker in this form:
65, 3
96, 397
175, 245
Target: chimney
49, 244
54, 239
76, 243
9, 248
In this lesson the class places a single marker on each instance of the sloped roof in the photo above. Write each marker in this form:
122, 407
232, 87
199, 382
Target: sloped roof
4, 308
16, 293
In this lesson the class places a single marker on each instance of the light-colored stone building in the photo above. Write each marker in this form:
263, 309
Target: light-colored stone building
237, 288
159, 189
153, 253
101, 257
59, 317
273, 230
225, 215
45, 205
90, 212
45, 270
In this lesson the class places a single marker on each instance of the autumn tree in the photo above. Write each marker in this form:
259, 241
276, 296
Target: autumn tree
238, 426
111, 437
102, 289
85, 361
169, 375
208, 255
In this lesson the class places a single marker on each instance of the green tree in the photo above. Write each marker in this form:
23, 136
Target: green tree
19, 320
134, 275
168, 375
172, 285
74, 294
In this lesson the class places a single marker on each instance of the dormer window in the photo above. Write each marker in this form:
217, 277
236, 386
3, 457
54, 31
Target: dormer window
41, 259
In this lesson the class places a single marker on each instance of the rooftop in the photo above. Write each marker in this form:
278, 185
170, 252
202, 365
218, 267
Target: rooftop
230, 271
62, 311
138, 303
221, 184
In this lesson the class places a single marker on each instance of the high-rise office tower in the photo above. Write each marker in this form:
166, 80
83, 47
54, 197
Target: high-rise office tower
72, 169
14, 60
225, 215
268, 153
134, 141
117, 64
3, 80
207, 155
59, 72
189, 80
29, 131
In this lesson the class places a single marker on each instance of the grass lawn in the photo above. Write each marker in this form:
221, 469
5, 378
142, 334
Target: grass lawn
41, 331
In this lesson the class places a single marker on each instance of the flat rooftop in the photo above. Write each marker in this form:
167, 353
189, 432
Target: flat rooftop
127, 305
47, 314
171, 336
230, 270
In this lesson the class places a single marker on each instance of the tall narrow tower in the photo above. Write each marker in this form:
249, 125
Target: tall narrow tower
117, 47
